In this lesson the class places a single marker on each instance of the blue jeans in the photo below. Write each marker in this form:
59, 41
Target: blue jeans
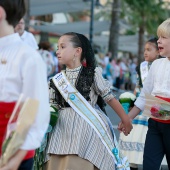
157, 145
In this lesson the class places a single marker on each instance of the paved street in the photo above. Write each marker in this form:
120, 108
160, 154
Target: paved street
115, 120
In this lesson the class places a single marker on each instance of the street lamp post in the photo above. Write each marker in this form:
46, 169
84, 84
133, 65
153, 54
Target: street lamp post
91, 21
27, 15
97, 3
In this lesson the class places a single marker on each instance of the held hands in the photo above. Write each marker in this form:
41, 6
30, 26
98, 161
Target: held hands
125, 126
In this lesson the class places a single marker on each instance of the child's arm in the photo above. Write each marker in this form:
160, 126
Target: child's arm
134, 112
34, 85
15, 161
126, 121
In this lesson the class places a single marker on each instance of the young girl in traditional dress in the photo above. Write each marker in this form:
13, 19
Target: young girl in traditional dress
22, 71
157, 84
133, 145
74, 144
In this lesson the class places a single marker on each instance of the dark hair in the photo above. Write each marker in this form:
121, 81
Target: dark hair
80, 40
153, 41
95, 51
14, 9
45, 45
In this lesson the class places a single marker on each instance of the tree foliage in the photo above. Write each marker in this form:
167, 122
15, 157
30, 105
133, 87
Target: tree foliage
145, 16
144, 12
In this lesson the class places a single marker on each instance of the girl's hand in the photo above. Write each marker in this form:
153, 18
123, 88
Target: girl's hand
120, 127
127, 125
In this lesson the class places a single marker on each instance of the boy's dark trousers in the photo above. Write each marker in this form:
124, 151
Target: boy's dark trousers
26, 165
157, 145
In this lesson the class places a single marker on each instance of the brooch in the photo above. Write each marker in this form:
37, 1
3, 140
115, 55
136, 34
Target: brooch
3, 61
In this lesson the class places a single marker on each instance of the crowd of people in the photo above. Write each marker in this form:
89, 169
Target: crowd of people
121, 72
83, 137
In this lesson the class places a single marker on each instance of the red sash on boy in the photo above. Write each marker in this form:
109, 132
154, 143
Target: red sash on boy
162, 121
5, 113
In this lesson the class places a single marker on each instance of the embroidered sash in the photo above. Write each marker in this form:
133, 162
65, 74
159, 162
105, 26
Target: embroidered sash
144, 70
86, 111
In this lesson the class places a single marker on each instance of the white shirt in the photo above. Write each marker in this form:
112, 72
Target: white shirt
106, 60
124, 67
28, 38
56, 63
25, 73
157, 83
48, 59
117, 70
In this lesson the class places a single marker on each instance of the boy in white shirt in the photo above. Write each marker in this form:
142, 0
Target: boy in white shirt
157, 83
22, 71
25, 35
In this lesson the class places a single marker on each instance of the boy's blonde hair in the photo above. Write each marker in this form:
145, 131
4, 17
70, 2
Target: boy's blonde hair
164, 29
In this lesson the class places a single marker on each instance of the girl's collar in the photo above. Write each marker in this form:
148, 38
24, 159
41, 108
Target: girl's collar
74, 69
